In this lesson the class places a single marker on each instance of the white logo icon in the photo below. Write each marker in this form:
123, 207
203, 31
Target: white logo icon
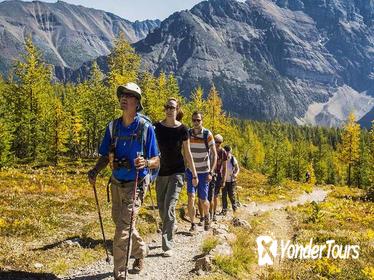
267, 250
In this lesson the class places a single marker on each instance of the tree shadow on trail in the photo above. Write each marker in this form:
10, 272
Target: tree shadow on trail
22, 275
91, 277
85, 243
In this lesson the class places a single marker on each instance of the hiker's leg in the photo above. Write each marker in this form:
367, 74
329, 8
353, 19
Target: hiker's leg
231, 191
216, 193
161, 188
211, 194
174, 187
191, 207
205, 203
138, 246
116, 214
224, 197
122, 203
191, 196
203, 194
201, 208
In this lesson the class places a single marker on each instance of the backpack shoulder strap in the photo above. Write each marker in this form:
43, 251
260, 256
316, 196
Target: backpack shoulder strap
205, 136
113, 132
144, 124
232, 161
190, 132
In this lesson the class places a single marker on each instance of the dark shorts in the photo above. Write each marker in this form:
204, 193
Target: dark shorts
214, 187
202, 187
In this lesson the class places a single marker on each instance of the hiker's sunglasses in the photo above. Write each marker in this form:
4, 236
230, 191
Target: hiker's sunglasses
196, 120
126, 94
168, 107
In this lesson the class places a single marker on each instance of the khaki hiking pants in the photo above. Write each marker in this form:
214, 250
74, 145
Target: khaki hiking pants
121, 215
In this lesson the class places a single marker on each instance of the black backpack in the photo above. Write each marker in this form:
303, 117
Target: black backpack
232, 161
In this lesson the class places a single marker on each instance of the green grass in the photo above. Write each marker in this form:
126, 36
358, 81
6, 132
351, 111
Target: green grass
44, 206
255, 187
344, 217
209, 243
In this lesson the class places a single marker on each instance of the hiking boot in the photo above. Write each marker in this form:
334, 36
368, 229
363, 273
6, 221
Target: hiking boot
168, 253
214, 219
222, 213
206, 223
175, 229
138, 265
193, 228
201, 222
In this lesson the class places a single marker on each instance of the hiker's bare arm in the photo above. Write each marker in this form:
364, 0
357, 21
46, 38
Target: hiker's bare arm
101, 163
236, 172
214, 158
152, 163
187, 153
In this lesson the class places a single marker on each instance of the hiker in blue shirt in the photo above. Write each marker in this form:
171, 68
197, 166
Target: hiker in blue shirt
129, 145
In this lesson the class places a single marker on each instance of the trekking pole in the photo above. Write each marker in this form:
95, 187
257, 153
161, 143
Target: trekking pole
101, 222
153, 208
131, 221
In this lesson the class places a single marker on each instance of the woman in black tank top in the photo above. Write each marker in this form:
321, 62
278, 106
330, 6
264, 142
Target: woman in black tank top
172, 138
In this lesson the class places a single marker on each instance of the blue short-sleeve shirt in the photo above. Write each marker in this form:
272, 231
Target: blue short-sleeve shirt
128, 149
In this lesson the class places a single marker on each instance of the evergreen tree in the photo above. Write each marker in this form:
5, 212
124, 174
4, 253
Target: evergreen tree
371, 156
310, 169
123, 63
172, 86
197, 103
6, 133
30, 96
150, 97
253, 151
299, 159
350, 147
99, 108
278, 151
319, 157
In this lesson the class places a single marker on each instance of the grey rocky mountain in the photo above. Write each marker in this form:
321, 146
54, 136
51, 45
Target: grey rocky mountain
67, 35
303, 61
309, 61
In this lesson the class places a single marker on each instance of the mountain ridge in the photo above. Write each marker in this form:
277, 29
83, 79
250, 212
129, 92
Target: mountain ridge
300, 61
267, 62
67, 35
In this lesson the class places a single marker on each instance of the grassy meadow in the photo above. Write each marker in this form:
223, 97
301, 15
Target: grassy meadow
43, 207
346, 216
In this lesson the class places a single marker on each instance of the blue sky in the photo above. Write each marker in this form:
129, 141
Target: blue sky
136, 9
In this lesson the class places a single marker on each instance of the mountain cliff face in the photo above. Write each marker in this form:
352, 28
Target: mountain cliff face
67, 35
303, 61
272, 59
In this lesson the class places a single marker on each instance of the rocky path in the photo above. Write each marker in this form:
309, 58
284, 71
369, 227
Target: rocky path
187, 247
